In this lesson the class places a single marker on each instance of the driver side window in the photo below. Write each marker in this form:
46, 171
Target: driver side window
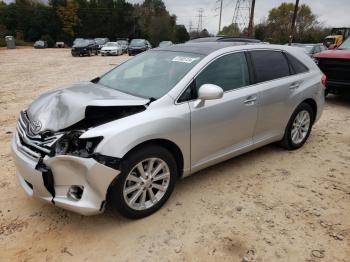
229, 72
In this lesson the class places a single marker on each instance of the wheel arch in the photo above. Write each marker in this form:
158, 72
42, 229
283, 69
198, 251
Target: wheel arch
173, 148
311, 102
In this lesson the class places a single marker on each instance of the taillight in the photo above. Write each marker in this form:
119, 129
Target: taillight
324, 80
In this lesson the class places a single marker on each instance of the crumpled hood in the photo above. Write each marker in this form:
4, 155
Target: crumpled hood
60, 109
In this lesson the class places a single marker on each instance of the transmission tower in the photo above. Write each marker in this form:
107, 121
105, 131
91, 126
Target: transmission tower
200, 20
242, 14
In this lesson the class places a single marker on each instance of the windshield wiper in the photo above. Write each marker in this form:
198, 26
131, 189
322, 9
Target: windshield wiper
151, 100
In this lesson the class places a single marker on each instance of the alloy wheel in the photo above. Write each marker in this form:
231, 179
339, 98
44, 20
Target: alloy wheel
146, 184
300, 127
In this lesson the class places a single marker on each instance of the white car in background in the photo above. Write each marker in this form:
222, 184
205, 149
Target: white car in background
112, 48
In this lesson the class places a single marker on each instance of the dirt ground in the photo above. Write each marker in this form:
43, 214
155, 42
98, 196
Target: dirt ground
267, 205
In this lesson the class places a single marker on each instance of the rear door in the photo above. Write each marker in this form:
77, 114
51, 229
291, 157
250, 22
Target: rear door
276, 88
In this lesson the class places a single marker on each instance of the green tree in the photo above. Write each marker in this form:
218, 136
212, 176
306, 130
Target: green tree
230, 30
181, 34
279, 23
68, 15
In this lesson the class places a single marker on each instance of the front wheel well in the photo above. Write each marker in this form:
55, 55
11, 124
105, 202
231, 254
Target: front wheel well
170, 146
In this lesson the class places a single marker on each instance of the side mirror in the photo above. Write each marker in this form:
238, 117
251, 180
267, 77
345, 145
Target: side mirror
208, 92
332, 46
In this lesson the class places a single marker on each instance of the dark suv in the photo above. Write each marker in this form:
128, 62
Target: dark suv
138, 46
84, 47
335, 64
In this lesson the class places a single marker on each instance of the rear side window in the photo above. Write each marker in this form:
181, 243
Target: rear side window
269, 65
297, 66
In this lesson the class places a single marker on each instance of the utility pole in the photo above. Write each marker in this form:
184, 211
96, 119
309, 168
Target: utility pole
220, 16
293, 22
251, 19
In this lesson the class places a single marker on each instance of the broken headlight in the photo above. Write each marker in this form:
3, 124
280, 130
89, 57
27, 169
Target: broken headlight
71, 144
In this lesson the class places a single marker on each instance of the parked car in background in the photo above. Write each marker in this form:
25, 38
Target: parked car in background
101, 42
225, 39
124, 44
127, 137
40, 44
138, 46
311, 49
84, 47
165, 43
335, 64
60, 45
111, 48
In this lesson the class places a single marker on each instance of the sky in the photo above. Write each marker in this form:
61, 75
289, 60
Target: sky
332, 13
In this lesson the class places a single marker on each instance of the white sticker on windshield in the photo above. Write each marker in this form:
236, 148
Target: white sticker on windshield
185, 59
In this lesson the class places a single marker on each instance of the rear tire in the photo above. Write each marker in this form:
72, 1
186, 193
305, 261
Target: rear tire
151, 189
299, 127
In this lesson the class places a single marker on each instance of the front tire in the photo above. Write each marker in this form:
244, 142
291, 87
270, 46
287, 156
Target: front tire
147, 179
299, 127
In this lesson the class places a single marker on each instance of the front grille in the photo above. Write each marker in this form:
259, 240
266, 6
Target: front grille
35, 146
336, 69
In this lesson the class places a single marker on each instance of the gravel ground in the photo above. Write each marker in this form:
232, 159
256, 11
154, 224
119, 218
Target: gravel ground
267, 205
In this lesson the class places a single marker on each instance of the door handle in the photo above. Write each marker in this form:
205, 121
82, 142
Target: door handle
250, 100
294, 86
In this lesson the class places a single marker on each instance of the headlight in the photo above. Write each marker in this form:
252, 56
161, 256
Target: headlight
71, 144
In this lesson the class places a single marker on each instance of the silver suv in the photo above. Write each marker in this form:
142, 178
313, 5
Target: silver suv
127, 136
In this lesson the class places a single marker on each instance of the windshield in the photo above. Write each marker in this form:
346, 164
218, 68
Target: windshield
307, 48
100, 41
151, 74
165, 43
111, 44
82, 42
77, 40
345, 45
137, 42
329, 40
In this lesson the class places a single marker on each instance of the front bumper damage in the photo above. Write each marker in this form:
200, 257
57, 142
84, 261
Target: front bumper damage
51, 178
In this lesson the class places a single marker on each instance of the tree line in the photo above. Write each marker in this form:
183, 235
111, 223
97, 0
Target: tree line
276, 28
64, 20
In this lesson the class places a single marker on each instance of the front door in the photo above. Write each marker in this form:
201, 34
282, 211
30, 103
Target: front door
221, 127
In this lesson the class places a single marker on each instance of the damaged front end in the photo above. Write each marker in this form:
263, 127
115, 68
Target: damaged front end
58, 166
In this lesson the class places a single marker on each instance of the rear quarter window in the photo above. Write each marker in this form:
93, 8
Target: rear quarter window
297, 66
269, 65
